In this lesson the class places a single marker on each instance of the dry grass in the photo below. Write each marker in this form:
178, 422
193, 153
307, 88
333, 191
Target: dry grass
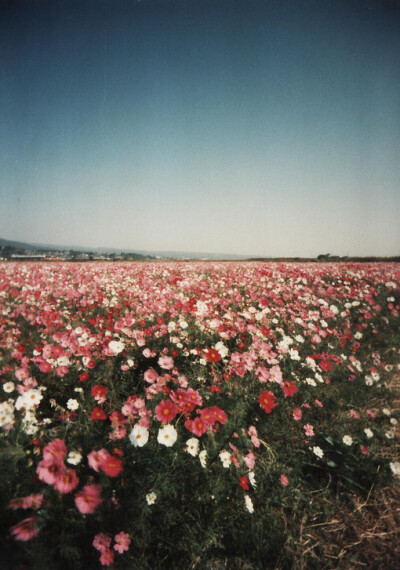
363, 532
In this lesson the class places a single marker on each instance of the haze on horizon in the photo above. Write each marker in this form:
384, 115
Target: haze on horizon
263, 128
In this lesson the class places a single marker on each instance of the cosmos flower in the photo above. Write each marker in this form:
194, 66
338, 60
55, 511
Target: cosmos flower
139, 436
192, 446
267, 401
167, 435
26, 529
88, 499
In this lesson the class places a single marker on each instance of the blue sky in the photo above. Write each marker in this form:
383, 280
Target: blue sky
253, 127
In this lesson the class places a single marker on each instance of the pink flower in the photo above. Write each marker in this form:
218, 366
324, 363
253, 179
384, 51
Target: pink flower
33, 501
150, 375
55, 451
166, 411
67, 482
101, 541
122, 542
21, 374
25, 530
354, 414
309, 429
249, 460
297, 414
107, 557
275, 374
45, 367
166, 362
96, 457
284, 479
88, 499
49, 471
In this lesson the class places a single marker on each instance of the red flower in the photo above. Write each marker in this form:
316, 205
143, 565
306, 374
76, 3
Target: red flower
198, 426
117, 418
99, 391
83, 376
212, 355
98, 414
166, 411
220, 415
267, 401
244, 483
289, 389
111, 465
326, 365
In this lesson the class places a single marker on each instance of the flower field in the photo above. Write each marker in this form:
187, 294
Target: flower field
191, 415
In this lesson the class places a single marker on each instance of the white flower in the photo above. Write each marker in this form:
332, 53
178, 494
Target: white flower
249, 504
393, 421
347, 440
151, 498
72, 404
74, 457
311, 382
395, 467
116, 346
192, 446
6, 418
386, 411
203, 458
7, 407
167, 435
225, 458
369, 433
368, 380
222, 349
139, 436
294, 355
29, 399
252, 479
30, 428
390, 434
9, 387
318, 452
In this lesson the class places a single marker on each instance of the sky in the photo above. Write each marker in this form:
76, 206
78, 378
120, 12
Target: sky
254, 127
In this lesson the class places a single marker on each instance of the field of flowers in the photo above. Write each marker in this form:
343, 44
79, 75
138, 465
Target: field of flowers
190, 415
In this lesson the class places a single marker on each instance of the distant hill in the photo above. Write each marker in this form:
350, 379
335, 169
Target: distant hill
108, 250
